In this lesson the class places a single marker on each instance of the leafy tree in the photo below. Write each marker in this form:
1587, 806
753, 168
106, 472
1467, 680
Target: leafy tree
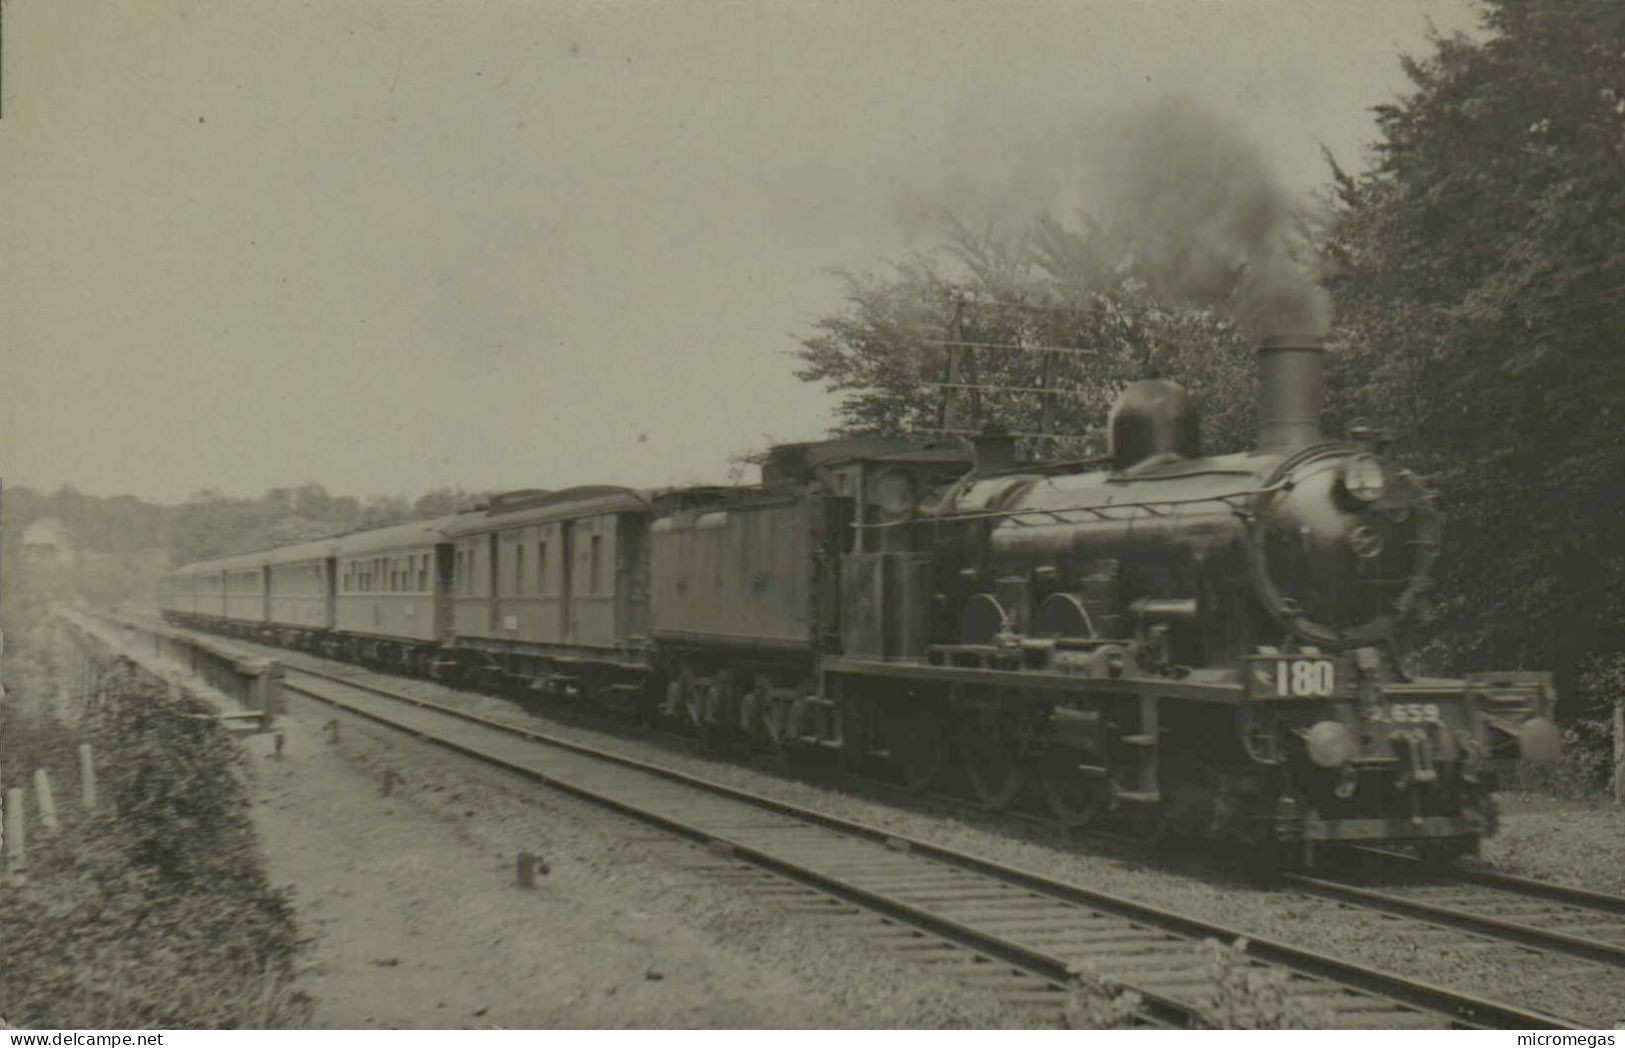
443, 501
380, 511
887, 352
1482, 293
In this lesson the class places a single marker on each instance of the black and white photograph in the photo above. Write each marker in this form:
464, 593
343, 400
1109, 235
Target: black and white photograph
799, 515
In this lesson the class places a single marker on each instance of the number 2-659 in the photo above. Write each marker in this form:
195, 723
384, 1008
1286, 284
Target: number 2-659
1407, 713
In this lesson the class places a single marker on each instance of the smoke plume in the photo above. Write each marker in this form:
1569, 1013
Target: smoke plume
1208, 220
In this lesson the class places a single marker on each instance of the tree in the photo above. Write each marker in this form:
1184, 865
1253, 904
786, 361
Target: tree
443, 501
1483, 285
380, 511
888, 352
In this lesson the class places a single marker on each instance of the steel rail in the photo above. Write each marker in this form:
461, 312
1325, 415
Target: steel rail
1460, 1008
1549, 890
1462, 919
1563, 893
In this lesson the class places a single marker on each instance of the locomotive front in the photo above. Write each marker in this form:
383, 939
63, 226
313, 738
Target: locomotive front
1266, 592
1339, 543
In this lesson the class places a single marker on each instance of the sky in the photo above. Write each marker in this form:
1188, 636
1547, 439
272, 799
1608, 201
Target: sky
394, 245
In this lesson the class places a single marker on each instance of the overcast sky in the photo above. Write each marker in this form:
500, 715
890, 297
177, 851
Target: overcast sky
388, 245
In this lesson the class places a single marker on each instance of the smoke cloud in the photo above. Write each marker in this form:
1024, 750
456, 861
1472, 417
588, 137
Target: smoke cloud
1208, 220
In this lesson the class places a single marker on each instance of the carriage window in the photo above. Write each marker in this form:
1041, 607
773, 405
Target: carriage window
518, 568
541, 567
595, 585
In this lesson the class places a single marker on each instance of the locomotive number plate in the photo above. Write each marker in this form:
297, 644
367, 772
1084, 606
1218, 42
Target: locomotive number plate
1289, 678
1406, 713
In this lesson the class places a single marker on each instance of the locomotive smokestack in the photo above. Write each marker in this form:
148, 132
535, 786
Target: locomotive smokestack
1289, 379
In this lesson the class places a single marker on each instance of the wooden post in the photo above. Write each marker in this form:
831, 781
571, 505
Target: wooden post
16, 835
530, 864
272, 694
1619, 750
87, 778
46, 801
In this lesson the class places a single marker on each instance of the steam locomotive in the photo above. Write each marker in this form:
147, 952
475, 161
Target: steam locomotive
1165, 640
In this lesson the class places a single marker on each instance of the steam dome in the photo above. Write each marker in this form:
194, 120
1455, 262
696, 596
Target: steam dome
1153, 417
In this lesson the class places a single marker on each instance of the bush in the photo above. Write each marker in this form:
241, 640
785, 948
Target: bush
156, 910
1588, 740
1246, 995
1099, 1004
1249, 996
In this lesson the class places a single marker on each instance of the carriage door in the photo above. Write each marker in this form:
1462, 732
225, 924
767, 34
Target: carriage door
631, 575
445, 572
835, 540
567, 580
330, 590
493, 577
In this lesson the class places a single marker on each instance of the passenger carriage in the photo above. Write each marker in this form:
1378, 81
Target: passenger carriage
389, 593
301, 607
546, 587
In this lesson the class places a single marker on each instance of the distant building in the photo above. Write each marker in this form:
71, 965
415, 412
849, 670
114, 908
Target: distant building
46, 545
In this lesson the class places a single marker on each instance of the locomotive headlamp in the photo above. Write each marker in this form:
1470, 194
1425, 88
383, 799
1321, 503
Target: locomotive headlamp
1362, 478
1331, 744
1539, 740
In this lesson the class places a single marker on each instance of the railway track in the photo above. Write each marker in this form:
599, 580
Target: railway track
1015, 930
1550, 917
